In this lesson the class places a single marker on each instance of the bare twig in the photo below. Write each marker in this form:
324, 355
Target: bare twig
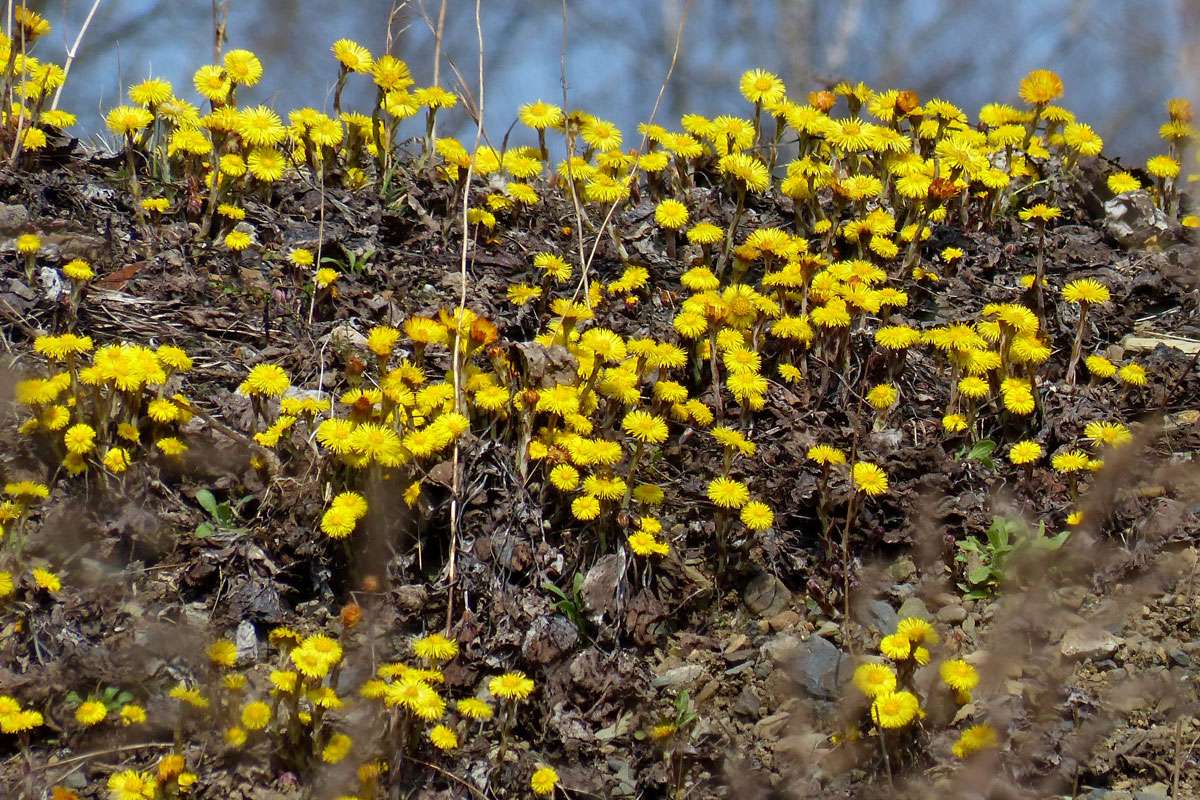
641, 150
455, 357
71, 53
99, 753
570, 145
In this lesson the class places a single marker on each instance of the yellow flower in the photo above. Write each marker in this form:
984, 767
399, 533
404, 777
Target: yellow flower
895, 709
474, 708
645, 427
585, 508
336, 749
974, 739
352, 55
235, 737
80, 439
540, 115
728, 493
825, 455
1085, 290
191, 697
869, 478
90, 712
256, 715
671, 214
1040, 87
917, 631
511, 686
896, 647
954, 423
131, 785
1070, 461
243, 67
1122, 182
78, 270
543, 781
1041, 212
127, 120
1025, 452
45, 579
757, 516
223, 653
644, 543
761, 87
1132, 374
237, 241
435, 648
132, 714
958, 675
1162, 167
266, 380
443, 738
874, 679
883, 396
1112, 434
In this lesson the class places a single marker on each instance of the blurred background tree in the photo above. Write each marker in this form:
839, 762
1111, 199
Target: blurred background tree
1120, 59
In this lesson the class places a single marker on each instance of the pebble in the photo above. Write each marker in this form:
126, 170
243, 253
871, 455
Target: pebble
680, 676
766, 595
785, 620
951, 614
1089, 643
914, 607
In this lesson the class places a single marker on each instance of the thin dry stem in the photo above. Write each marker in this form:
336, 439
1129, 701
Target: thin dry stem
583, 281
71, 53
455, 360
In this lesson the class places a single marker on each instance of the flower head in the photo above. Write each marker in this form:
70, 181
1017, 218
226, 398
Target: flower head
512, 686
91, 712
1041, 86
543, 781
869, 478
1024, 452
958, 675
874, 679
728, 493
1086, 290
895, 709
266, 380
974, 739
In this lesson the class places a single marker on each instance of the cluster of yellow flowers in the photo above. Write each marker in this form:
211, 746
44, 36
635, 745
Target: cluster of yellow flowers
303, 711
30, 107
895, 704
104, 404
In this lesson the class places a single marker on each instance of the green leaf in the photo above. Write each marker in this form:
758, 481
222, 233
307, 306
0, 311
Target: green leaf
981, 450
204, 530
207, 501
979, 575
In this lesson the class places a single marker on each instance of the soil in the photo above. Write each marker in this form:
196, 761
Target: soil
1089, 657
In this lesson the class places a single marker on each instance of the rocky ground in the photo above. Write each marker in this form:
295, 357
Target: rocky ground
1090, 660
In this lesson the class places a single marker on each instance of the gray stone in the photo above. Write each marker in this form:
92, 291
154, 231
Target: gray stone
685, 675
951, 614
766, 595
246, 641
1089, 643
878, 615
902, 569
815, 664
14, 219
914, 607
1133, 219
1155, 791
